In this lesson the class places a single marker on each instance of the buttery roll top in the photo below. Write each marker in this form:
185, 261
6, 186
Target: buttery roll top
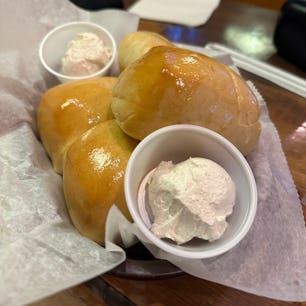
68, 110
172, 86
134, 45
93, 177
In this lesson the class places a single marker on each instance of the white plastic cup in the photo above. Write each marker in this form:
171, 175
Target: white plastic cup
178, 143
54, 45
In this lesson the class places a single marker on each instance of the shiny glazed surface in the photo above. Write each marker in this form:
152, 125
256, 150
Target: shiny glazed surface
93, 177
172, 86
86, 102
134, 45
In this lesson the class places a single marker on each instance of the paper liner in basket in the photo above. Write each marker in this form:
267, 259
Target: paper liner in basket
40, 251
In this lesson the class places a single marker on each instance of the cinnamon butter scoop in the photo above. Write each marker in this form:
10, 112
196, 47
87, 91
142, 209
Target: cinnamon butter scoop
190, 199
86, 54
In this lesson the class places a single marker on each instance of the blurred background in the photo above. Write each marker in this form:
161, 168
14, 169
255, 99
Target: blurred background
272, 4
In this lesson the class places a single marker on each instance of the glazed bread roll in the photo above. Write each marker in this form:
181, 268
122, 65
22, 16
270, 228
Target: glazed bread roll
68, 110
93, 177
134, 45
173, 85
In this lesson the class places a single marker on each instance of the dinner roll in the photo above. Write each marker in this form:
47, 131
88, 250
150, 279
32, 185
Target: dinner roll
93, 177
134, 45
68, 110
173, 85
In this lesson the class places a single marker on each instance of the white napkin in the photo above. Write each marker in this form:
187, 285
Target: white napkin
190, 13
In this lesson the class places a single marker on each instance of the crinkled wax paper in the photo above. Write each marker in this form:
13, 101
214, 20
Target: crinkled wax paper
40, 251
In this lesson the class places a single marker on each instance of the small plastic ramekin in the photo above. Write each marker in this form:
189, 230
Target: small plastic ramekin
54, 45
178, 143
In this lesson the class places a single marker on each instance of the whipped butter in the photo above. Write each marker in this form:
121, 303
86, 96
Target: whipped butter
190, 199
86, 54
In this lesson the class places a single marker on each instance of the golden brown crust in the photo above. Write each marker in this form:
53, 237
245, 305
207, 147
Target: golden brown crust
134, 45
172, 85
93, 177
68, 110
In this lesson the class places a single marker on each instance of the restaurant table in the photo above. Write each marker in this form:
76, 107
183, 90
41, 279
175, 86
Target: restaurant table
248, 29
